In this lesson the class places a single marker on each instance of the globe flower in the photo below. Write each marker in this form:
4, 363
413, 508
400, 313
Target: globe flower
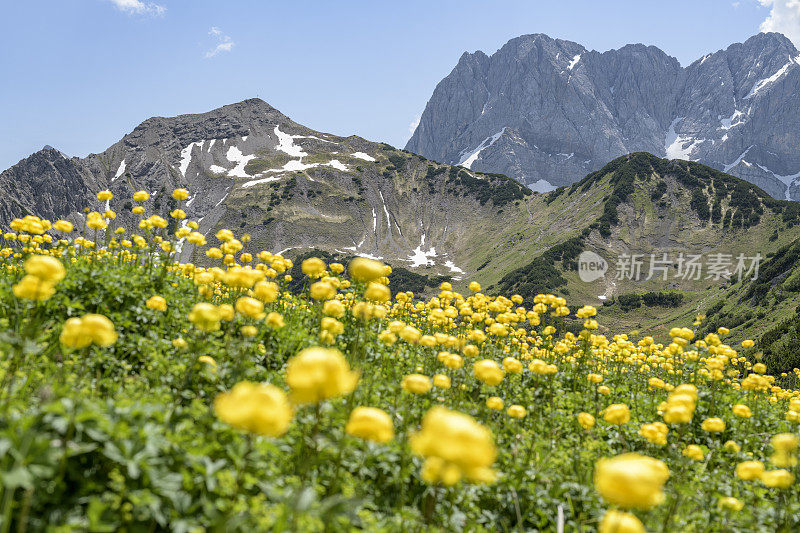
488, 372
322, 290
713, 425
64, 226
86, 330
631, 481
141, 196
777, 479
262, 409
316, 374
370, 423
180, 194
45, 267
731, 446
586, 421
365, 270
494, 403
376, 292
749, 470
454, 446
620, 522
33, 288
313, 267
517, 411
617, 413
208, 360
250, 307
512, 365
156, 303
266, 291
730, 503
655, 433
441, 381
742, 411
104, 196
694, 452
416, 384
205, 316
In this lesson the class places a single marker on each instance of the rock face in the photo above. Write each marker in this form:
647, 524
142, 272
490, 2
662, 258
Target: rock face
547, 111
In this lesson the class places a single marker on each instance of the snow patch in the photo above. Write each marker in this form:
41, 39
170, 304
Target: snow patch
732, 121
574, 62
679, 146
120, 170
542, 186
286, 144
186, 156
471, 157
760, 84
421, 257
250, 183
453, 267
235, 155
362, 155
738, 159
338, 165
386, 212
216, 169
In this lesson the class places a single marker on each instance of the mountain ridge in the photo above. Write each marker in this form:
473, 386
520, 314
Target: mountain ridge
549, 110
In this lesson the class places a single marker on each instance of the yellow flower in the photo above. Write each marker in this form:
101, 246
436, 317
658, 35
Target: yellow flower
742, 411
730, 503
208, 360
33, 288
141, 196
370, 423
333, 308
366, 270
157, 303
441, 381
594, 378
45, 267
474, 286
586, 421
617, 413
180, 343
454, 446
313, 267
602, 389
89, 329
748, 343
749, 470
517, 411
488, 372
713, 425
655, 433
180, 194
494, 403
316, 374
275, 320
250, 307
694, 452
416, 384
377, 292
258, 408
266, 291
205, 316
777, 479
620, 522
63, 226
631, 480
512, 365
104, 196
322, 290
732, 446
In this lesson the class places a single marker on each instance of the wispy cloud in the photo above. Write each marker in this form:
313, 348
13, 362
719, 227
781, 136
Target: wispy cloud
137, 7
784, 17
413, 126
224, 42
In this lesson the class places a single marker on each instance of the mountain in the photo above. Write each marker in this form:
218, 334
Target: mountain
250, 168
548, 111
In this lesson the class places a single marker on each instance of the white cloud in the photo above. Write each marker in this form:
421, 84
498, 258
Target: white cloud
224, 43
784, 17
137, 7
413, 126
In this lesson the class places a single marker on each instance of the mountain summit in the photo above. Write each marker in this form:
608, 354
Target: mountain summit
548, 111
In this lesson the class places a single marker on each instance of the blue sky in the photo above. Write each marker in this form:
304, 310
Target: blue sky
79, 74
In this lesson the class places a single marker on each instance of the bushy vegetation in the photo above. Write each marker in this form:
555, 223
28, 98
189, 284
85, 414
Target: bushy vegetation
649, 299
139, 394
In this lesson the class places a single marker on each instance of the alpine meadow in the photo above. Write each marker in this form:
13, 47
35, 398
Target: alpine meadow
571, 303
